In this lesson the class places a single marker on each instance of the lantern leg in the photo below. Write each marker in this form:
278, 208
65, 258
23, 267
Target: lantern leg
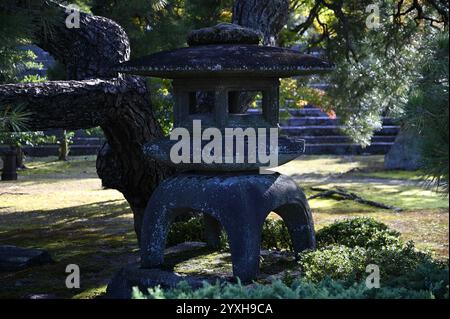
245, 245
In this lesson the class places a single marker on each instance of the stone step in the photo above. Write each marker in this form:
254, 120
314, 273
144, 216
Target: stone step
342, 139
320, 86
306, 116
322, 120
309, 106
346, 149
387, 121
52, 150
309, 120
92, 141
41, 72
307, 112
329, 130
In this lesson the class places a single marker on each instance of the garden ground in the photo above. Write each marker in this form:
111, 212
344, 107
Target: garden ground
62, 207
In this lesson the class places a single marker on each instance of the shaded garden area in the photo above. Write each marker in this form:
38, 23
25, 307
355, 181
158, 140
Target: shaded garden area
62, 207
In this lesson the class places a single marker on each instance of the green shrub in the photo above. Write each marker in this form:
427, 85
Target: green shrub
347, 247
395, 261
275, 235
427, 275
300, 289
335, 262
344, 263
191, 228
186, 229
358, 232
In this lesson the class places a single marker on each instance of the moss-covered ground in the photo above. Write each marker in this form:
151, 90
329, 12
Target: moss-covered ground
62, 207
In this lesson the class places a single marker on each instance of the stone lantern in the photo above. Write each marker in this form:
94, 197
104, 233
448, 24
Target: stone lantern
9, 171
221, 66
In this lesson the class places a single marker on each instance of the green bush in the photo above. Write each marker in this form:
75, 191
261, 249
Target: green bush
428, 275
299, 289
276, 236
191, 228
186, 229
396, 261
335, 262
341, 262
358, 232
346, 248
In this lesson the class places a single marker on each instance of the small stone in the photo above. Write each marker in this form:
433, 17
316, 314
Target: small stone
224, 33
21, 283
122, 284
14, 258
41, 296
184, 247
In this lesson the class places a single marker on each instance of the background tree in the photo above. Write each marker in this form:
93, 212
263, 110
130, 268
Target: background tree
16, 139
376, 56
427, 112
377, 48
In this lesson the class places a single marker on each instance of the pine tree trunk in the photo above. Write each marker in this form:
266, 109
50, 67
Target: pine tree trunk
120, 105
266, 16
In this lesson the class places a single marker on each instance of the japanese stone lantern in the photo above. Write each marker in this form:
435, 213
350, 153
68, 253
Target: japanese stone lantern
221, 65
9, 171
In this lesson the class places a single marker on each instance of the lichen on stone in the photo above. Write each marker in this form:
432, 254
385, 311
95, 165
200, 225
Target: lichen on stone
224, 33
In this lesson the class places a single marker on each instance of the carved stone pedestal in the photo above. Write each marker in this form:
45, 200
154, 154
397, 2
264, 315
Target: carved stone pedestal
238, 203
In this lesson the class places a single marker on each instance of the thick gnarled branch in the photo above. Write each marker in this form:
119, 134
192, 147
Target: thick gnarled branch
68, 104
341, 194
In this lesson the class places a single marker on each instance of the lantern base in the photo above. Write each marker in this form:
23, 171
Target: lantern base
238, 203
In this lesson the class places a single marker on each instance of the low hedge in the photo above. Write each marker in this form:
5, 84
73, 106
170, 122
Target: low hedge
337, 269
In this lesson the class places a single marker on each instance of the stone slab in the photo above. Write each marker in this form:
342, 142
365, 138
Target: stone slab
122, 284
14, 258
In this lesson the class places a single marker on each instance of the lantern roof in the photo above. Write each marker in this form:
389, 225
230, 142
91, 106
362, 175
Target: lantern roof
225, 50
226, 60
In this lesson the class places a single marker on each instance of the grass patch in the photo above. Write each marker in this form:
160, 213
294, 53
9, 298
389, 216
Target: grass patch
98, 238
331, 165
394, 174
52, 168
62, 207
405, 197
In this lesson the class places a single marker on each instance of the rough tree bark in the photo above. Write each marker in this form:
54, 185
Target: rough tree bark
120, 105
267, 16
